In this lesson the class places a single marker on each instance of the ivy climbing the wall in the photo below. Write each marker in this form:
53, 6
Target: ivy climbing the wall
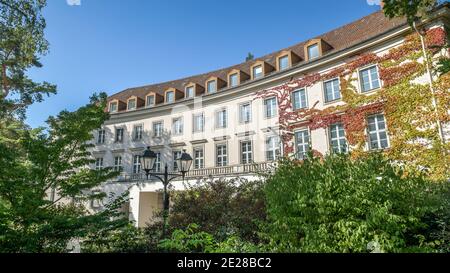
405, 101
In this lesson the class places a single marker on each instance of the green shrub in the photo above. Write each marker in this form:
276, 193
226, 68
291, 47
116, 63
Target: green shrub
128, 239
190, 240
342, 205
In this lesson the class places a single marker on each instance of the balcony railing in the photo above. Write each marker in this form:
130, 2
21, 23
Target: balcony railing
241, 169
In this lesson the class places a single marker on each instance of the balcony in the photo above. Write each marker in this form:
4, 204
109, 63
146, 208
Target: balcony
233, 170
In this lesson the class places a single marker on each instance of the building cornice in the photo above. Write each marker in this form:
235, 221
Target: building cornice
273, 78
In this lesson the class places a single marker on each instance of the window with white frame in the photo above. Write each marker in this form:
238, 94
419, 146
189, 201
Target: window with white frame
302, 143
234, 80
369, 79
221, 155
138, 131
338, 142
257, 72
272, 148
211, 86
189, 92
158, 162
96, 202
113, 107
332, 90
175, 156
118, 163
132, 104
199, 159
245, 112
99, 163
378, 137
270, 107
221, 118
299, 100
136, 164
199, 123
119, 134
170, 96
151, 100
158, 129
246, 152
283, 62
101, 136
313, 51
177, 126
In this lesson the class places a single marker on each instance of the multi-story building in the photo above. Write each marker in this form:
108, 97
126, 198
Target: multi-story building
221, 119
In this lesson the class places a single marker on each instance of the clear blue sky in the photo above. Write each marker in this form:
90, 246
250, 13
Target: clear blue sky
111, 45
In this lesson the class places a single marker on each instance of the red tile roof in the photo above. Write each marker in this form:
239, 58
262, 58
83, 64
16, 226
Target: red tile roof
339, 39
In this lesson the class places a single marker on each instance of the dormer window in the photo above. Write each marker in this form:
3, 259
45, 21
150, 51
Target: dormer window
313, 51
257, 72
190, 92
234, 80
170, 96
211, 86
150, 100
131, 104
113, 107
283, 62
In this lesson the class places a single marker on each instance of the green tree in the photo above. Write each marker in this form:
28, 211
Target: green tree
217, 206
413, 10
22, 43
249, 57
340, 205
56, 160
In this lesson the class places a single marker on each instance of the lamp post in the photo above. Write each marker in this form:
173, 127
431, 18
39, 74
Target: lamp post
184, 163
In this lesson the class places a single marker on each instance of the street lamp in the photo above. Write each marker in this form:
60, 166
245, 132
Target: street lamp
148, 160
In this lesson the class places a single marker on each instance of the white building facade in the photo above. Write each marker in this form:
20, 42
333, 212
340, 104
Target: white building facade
227, 129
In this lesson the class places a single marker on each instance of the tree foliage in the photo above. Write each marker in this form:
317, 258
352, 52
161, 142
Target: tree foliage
413, 10
42, 163
340, 205
22, 43
217, 206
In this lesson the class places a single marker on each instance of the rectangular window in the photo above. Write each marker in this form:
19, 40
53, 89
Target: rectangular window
118, 164
101, 136
299, 99
170, 96
283, 62
369, 79
138, 132
175, 156
119, 134
313, 51
132, 104
199, 123
378, 138
257, 72
338, 143
113, 107
198, 158
272, 148
177, 126
158, 162
270, 107
99, 163
234, 79
245, 112
136, 164
302, 143
332, 90
211, 86
150, 100
190, 92
221, 119
246, 152
158, 129
221, 155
